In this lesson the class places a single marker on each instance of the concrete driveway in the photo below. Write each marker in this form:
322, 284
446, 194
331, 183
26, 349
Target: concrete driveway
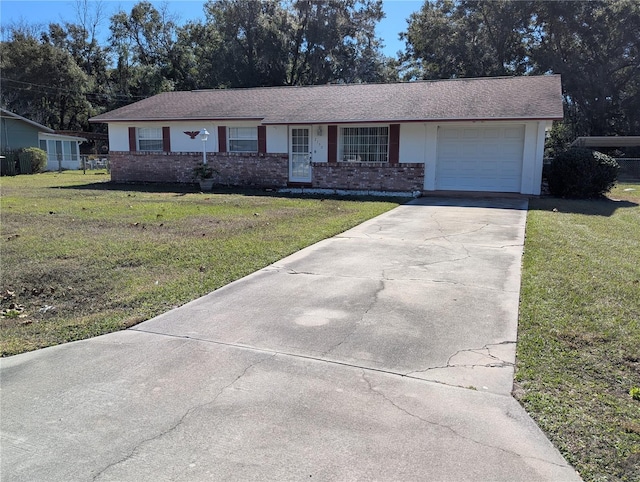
385, 353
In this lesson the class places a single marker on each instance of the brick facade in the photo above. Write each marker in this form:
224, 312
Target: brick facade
264, 170
234, 169
374, 176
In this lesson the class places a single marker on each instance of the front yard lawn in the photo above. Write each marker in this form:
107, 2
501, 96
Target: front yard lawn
81, 257
578, 352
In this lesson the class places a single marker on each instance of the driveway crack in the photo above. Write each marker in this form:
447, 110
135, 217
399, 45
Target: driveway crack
449, 428
487, 360
444, 236
468, 232
357, 324
449, 260
181, 420
387, 278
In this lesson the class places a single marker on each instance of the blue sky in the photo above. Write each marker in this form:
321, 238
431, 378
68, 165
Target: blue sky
46, 11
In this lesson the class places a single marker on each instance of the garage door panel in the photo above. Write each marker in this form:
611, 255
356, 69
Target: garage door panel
514, 132
491, 133
480, 158
489, 153
468, 149
510, 152
509, 168
491, 170
448, 133
451, 151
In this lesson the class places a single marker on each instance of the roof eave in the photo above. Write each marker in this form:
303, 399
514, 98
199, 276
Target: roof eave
326, 121
405, 121
63, 136
97, 120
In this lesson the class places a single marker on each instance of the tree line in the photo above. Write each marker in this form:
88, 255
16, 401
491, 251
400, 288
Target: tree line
61, 75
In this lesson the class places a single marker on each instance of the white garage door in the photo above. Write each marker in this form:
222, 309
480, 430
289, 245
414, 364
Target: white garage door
480, 158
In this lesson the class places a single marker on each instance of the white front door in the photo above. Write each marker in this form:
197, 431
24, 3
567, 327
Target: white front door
300, 154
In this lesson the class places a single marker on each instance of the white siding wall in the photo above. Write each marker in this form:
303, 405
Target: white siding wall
118, 136
431, 155
248, 123
533, 156
181, 142
320, 143
413, 142
277, 139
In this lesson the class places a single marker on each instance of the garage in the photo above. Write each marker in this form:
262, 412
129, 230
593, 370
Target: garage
480, 158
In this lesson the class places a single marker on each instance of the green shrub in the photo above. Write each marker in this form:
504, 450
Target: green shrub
35, 157
582, 173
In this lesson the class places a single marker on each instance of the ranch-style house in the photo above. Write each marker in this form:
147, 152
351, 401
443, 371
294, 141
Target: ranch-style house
482, 134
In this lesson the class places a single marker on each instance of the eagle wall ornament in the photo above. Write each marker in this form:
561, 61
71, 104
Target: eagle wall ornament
192, 134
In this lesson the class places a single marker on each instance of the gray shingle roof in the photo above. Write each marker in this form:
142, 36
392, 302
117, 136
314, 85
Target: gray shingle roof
528, 97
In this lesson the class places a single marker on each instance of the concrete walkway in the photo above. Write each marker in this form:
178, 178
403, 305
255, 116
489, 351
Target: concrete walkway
385, 353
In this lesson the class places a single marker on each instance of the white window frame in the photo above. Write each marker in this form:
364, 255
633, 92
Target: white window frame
148, 135
69, 150
241, 134
364, 143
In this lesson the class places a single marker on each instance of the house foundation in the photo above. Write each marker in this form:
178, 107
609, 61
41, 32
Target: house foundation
368, 176
264, 171
232, 169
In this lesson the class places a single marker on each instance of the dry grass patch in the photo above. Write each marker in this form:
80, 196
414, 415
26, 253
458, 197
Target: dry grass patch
81, 257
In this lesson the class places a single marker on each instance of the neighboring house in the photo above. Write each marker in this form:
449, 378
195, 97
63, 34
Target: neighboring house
18, 132
484, 134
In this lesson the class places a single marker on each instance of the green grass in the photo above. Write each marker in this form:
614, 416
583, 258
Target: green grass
82, 257
578, 355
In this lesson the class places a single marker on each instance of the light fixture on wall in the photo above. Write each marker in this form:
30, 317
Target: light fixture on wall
319, 131
204, 135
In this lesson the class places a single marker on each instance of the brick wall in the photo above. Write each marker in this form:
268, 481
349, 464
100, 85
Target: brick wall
264, 170
376, 176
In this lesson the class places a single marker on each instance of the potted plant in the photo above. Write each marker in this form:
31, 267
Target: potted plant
204, 174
